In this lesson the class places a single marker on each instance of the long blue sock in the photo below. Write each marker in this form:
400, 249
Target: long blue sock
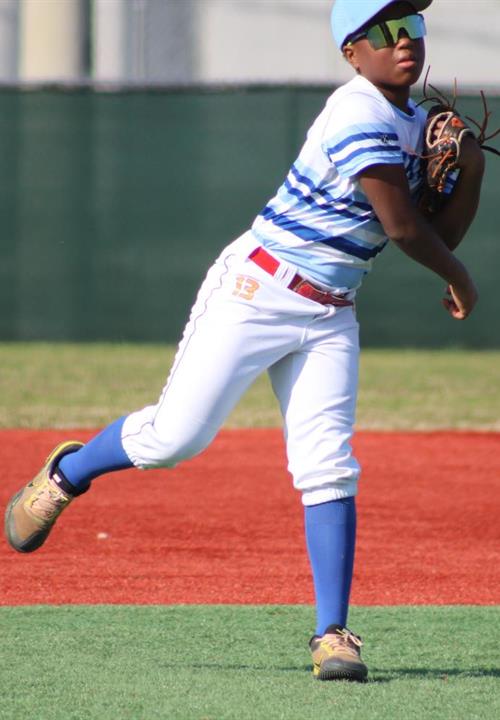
103, 454
331, 535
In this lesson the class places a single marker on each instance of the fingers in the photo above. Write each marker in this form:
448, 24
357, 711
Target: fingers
457, 305
437, 130
451, 306
454, 310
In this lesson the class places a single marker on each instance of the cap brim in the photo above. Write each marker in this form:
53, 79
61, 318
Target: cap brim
364, 15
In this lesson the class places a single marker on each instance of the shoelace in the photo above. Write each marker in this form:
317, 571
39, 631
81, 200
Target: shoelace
344, 638
47, 502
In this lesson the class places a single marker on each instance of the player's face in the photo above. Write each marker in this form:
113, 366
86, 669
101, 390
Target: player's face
395, 67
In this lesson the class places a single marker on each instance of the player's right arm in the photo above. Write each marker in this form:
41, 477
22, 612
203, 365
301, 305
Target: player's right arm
386, 188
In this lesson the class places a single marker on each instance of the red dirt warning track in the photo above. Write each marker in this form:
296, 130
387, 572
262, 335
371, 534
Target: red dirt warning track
226, 527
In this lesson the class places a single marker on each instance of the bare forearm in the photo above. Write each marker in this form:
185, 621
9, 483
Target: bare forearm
422, 243
454, 219
386, 187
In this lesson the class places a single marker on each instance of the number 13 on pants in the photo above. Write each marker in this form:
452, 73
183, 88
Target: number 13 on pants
246, 287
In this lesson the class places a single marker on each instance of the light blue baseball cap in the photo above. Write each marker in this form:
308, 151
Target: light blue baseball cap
349, 15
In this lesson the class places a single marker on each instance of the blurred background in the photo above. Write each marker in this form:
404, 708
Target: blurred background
138, 137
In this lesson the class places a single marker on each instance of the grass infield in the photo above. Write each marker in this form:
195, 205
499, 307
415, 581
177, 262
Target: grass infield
244, 663
68, 385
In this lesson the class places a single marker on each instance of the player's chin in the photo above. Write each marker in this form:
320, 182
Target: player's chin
408, 71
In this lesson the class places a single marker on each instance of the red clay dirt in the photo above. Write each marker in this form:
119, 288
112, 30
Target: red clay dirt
226, 527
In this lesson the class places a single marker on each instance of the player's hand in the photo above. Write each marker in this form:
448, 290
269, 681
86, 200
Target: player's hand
460, 299
471, 156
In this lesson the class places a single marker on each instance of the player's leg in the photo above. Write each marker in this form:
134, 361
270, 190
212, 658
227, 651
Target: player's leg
228, 341
107, 452
317, 387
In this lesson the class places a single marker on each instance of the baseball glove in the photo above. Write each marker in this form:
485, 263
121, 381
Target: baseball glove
444, 133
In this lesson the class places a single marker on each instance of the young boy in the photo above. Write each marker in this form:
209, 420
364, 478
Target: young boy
280, 298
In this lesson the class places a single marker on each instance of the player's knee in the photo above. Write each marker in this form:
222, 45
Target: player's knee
176, 445
150, 444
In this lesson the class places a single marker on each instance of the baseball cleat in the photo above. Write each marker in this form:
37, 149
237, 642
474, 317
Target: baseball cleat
337, 656
33, 510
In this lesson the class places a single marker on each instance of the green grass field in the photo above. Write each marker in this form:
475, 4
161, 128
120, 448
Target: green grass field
242, 662
71, 385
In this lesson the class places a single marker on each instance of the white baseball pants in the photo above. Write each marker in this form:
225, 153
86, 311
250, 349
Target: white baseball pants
245, 321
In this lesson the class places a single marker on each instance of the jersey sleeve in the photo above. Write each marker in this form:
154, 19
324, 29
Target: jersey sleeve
451, 181
360, 133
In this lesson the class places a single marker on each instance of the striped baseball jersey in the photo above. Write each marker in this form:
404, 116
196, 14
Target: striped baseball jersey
320, 219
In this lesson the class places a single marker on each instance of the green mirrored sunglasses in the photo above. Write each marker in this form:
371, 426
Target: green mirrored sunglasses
387, 33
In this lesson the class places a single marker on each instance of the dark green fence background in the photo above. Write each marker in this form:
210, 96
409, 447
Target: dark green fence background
114, 204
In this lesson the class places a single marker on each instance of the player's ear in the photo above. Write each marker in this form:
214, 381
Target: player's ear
349, 52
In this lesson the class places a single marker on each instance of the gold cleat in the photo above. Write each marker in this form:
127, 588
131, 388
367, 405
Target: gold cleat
32, 511
337, 655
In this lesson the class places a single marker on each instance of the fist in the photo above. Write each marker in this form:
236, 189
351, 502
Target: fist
460, 301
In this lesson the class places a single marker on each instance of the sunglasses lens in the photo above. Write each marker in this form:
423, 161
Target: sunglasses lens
413, 25
383, 34
376, 38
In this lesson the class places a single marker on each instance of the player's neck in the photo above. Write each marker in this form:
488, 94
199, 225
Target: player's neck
397, 96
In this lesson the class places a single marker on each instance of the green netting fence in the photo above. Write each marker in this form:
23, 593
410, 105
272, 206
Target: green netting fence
114, 204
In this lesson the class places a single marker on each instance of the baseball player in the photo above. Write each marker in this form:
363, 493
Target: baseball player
281, 298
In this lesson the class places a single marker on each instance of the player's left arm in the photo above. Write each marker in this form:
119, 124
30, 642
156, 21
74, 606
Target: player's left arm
452, 221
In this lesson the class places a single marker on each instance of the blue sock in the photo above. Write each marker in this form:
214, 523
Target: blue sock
331, 535
103, 454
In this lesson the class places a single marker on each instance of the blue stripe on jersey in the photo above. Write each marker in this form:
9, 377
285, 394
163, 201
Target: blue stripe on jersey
369, 222
341, 204
302, 231
373, 151
451, 181
303, 179
413, 169
359, 137
382, 131
317, 267
311, 235
370, 144
347, 246
324, 210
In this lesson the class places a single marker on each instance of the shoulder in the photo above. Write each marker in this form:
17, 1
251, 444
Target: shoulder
358, 101
356, 109
361, 130
356, 112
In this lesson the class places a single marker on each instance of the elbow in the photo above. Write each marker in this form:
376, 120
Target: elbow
406, 229
453, 240
401, 234
403, 225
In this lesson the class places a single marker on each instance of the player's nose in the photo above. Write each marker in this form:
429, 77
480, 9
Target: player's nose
403, 37
406, 43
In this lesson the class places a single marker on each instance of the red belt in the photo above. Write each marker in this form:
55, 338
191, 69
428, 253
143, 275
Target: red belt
298, 284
